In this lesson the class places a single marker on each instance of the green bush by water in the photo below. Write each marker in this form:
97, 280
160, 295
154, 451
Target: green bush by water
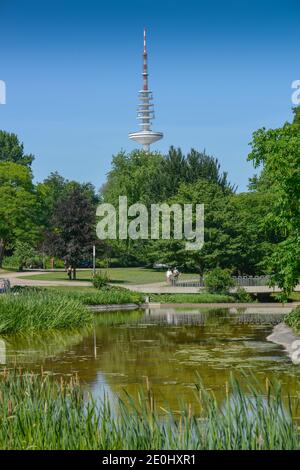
292, 319
100, 279
40, 413
241, 295
41, 310
218, 281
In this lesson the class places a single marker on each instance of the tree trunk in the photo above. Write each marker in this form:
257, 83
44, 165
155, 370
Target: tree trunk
74, 274
2, 247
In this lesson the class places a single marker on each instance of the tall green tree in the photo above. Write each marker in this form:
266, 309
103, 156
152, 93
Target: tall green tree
72, 232
56, 187
19, 208
11, 150
278, 152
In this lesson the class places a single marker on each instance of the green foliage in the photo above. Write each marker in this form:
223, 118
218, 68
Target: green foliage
72, 233
218, 281
55, 188
24, 254
32, 310
202, 297
292, 319
241, 295
134, 175
19, 208
70, 419
153, 179
11, 150
278, 150
100, 279
235, 233
107, 295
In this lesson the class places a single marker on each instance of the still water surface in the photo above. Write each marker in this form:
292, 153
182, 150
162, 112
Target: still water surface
169, 346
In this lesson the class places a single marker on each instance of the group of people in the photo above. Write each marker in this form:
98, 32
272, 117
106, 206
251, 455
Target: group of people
172, 275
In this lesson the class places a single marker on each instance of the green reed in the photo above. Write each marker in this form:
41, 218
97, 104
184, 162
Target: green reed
107, 295
41, 310
40, 413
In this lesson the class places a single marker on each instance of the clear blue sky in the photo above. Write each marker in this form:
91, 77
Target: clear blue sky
218, 70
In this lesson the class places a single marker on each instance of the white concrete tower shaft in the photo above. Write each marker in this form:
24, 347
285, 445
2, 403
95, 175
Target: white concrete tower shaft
145, 112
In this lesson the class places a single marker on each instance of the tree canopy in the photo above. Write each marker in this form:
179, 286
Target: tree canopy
72, 232
278, 151
11, 150
253, 232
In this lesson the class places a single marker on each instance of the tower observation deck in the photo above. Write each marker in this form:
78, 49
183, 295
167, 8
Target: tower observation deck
145, 113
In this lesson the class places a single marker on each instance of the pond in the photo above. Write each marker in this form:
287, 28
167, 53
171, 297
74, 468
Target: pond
171, 347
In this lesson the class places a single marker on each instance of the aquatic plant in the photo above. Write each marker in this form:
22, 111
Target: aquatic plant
41, 310
38, 412
107, 295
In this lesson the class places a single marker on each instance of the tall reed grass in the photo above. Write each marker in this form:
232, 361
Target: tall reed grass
41, 310
40, 413
107, 295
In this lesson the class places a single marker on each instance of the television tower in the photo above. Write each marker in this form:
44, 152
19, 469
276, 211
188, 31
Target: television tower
145, 113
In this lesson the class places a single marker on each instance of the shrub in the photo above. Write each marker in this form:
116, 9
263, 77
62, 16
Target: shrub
292, 319
241, 295
100, 279
107, 295
218, 281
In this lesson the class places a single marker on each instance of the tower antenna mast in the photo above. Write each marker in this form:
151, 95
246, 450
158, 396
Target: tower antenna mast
145, 113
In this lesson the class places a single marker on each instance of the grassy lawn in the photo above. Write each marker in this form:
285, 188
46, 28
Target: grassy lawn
118, 275
204, 297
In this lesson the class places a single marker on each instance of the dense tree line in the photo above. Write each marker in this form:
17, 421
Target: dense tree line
235, 234
55, 217
249, 233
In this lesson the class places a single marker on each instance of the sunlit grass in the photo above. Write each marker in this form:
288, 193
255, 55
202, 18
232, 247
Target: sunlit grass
192, 298
107, 295
118, 275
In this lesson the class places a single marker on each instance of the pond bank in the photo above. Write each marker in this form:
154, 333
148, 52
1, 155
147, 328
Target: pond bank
254, 308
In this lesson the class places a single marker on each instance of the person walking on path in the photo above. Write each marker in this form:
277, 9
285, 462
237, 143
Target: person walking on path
169, 276
176, 274
69, 271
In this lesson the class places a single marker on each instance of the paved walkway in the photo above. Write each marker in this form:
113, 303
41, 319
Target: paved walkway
153, 288
163, 288
14, 278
